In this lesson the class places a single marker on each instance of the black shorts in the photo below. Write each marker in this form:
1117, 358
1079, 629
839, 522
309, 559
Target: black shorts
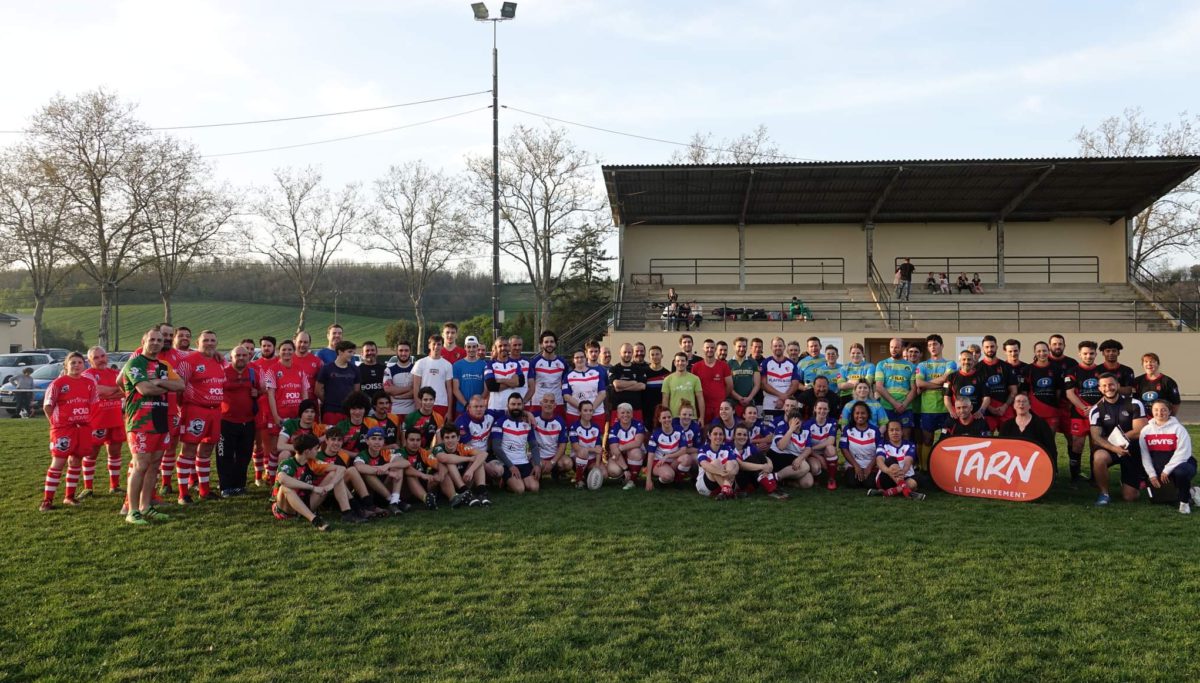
1132, 472
780, 460
526, 470
462, 467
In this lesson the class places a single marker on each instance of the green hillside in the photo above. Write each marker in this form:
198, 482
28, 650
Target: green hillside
232, 322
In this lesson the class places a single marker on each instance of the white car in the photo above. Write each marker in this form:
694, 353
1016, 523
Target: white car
15, 363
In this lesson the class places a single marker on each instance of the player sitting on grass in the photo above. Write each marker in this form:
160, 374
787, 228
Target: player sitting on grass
382, 416
382, 472
464, 467
789, 450
303, 482
550, 439
860, 443
421, 476
585, 443
753, 466
761, 433
821, 437
511, 438
626, 447
670, 456
895, 459
333, 452
718, 466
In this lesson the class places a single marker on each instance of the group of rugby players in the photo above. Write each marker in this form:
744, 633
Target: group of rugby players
373, 438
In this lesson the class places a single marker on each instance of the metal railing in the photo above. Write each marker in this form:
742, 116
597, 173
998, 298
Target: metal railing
1017, 269
882, 291
1185, 314
783, 270
950, 314
594, 326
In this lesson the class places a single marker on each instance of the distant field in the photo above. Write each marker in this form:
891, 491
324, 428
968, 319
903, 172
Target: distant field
232, 321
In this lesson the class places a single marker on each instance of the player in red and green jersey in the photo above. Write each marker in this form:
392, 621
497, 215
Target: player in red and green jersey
146, 381
304, 482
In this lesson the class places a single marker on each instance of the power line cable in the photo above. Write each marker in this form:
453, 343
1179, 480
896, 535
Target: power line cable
646, 137
306, 116
347, 137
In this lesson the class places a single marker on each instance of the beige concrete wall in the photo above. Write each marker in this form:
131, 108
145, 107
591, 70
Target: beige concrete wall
1083, 237
22, 334
1177, 350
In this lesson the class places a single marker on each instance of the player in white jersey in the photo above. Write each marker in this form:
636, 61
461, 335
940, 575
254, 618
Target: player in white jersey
550, 440
778, 378
667, 448
582, 383
512, 436
626, 446
545, 376
586, 447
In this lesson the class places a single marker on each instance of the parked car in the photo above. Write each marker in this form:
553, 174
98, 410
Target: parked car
117, 359
15, 363
42, 377
58, 355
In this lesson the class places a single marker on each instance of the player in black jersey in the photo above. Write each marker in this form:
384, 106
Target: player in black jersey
1082, 387
1064, 363
964, 422
1043, 383
1111, 349
1115, 423
1154, 385
967, 383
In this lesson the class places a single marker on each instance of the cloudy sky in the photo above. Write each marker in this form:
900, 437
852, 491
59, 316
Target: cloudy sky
842, 80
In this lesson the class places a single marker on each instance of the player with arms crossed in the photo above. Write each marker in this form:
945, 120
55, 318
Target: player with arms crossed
146, 382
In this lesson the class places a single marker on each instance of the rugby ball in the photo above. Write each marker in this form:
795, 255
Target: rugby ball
595, 479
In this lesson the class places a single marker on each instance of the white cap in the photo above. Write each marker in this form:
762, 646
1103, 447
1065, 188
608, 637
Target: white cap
470, 340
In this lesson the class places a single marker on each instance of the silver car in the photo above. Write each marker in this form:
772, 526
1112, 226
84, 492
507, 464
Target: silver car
15, 363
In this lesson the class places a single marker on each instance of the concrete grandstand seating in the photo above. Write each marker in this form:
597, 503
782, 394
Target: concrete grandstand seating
1104, 307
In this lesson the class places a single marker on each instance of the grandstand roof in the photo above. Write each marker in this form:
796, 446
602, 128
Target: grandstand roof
892, 191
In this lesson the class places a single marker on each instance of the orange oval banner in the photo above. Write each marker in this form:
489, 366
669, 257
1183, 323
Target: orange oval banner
984, 467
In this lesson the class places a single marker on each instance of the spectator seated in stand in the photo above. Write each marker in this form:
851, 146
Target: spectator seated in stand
798, 310
931, 283
944, 283
963, 284
976, 285
697, 315
684, 317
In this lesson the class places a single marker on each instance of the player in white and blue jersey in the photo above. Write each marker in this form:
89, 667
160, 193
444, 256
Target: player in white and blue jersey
896, 460
550, 440
586, 442
718, 467
512, 437
860, 442
546, 374
626, 447
821, 438
583, 383
669, 453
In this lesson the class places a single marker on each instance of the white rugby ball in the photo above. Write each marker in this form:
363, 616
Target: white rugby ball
595, 479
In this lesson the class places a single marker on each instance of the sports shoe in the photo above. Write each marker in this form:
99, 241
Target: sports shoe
916, 495
70, 502
874, 492
721, 496
116, 492
259, 483
1102, 500
319, 523
46, 506
135, 517
474, 502
629, 486
431, 501
1196, 496
484, 500
1185, 509
832, 485
228, 493
211, 495
460, 498
778, 495
580, 484
166, 490
86, 493
154, 515
350, 517
185, 501
395, 509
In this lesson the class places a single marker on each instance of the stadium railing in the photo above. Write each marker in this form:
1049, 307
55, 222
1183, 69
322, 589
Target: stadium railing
1028, 269
784, 270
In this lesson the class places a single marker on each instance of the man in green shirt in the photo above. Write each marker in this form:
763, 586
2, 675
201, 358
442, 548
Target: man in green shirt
930, 376
680, 386
746, 375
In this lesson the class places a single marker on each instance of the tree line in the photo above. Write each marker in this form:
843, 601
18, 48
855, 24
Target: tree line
92, 196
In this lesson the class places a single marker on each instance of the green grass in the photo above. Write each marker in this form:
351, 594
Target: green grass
233, 321
581, 586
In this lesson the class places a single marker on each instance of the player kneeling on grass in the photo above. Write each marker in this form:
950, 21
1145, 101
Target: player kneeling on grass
511, 439
550, 439
382, 472
626, 447
821, 436
789, 450
754, 468
586, 449
895, 459
668, 451
303, 483
465, 465
718, 466
333, 451
860, 444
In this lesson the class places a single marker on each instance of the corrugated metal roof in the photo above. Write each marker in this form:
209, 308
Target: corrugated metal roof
921, 190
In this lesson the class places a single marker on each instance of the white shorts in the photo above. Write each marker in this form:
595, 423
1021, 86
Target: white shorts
701, 486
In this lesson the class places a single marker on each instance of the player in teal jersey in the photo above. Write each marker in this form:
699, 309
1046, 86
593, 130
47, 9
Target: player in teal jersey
811, 358
830, 369
859, 369
895, 387
931, 375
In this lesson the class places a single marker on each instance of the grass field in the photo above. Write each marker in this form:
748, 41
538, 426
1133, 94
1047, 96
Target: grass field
233, 321
582, 586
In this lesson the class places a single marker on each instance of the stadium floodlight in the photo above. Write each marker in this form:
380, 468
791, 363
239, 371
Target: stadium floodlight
507, 11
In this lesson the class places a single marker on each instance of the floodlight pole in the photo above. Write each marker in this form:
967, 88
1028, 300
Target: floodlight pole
495, 185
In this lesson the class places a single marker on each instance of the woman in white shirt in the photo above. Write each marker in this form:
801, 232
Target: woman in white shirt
1166, 450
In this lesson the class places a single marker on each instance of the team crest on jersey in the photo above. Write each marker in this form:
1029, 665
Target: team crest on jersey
64, 389
99, 434
196, 427
62, 443
200, 368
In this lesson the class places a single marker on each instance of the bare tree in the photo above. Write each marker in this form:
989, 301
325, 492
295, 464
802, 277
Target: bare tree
307, 225
33, 221
185, 221
753, 147
108, 165
421, 220
547, 195
1171, 224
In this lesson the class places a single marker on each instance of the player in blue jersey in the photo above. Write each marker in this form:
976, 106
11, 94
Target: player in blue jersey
626, 447
895, 459
859, 369
930, 377
587, 449
862, 394
895, 387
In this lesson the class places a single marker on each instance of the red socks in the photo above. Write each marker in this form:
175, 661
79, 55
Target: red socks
53, 476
